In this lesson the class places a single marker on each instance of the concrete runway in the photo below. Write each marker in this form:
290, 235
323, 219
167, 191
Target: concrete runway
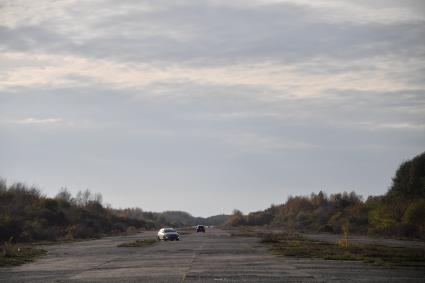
211, 257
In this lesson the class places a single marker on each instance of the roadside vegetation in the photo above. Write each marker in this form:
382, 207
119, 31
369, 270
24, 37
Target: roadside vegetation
138, 243
293, 244
26, 215
398, 213
17, 254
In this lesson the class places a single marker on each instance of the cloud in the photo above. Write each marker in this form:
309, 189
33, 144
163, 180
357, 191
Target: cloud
45, 121
400, 126
309, 78
363, 11
210, 32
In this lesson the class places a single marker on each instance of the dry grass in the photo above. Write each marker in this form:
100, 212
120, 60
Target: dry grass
17, 254
294, 245
138, 243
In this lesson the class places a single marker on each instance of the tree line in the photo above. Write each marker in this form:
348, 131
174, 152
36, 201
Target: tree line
27, 215
400, 212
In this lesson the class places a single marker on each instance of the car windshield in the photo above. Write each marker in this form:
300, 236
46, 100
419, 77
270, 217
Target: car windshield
169, 230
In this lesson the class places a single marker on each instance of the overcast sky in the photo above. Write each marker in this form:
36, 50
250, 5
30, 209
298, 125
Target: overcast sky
206, 106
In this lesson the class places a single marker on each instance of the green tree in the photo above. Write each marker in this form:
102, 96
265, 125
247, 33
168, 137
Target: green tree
409, 179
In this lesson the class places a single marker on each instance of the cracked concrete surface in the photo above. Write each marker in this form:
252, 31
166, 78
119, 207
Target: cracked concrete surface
211, 257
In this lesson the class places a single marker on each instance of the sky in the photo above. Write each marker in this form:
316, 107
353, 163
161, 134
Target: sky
212, 105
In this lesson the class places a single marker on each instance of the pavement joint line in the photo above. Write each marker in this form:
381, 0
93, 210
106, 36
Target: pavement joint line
192, 261
91, 268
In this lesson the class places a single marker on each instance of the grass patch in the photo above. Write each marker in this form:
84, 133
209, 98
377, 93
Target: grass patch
292, 244
138, 243
17, 254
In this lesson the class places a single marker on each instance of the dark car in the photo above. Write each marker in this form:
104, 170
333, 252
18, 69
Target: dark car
200, 228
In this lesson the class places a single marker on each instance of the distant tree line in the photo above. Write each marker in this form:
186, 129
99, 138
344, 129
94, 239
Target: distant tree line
400, 212
170, 218
27, 215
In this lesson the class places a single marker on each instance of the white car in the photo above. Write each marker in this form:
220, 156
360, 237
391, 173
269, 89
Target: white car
168, 234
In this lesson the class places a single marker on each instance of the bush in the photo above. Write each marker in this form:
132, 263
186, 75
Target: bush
414, 218
131, 230
236, 219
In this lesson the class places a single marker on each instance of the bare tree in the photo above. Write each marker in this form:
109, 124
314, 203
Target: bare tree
64, 194
97, 197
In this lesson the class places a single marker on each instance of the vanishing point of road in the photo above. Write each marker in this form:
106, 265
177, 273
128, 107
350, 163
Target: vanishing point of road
215, 256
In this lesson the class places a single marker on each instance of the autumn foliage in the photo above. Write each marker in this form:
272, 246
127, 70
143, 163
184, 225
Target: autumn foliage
400, 212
